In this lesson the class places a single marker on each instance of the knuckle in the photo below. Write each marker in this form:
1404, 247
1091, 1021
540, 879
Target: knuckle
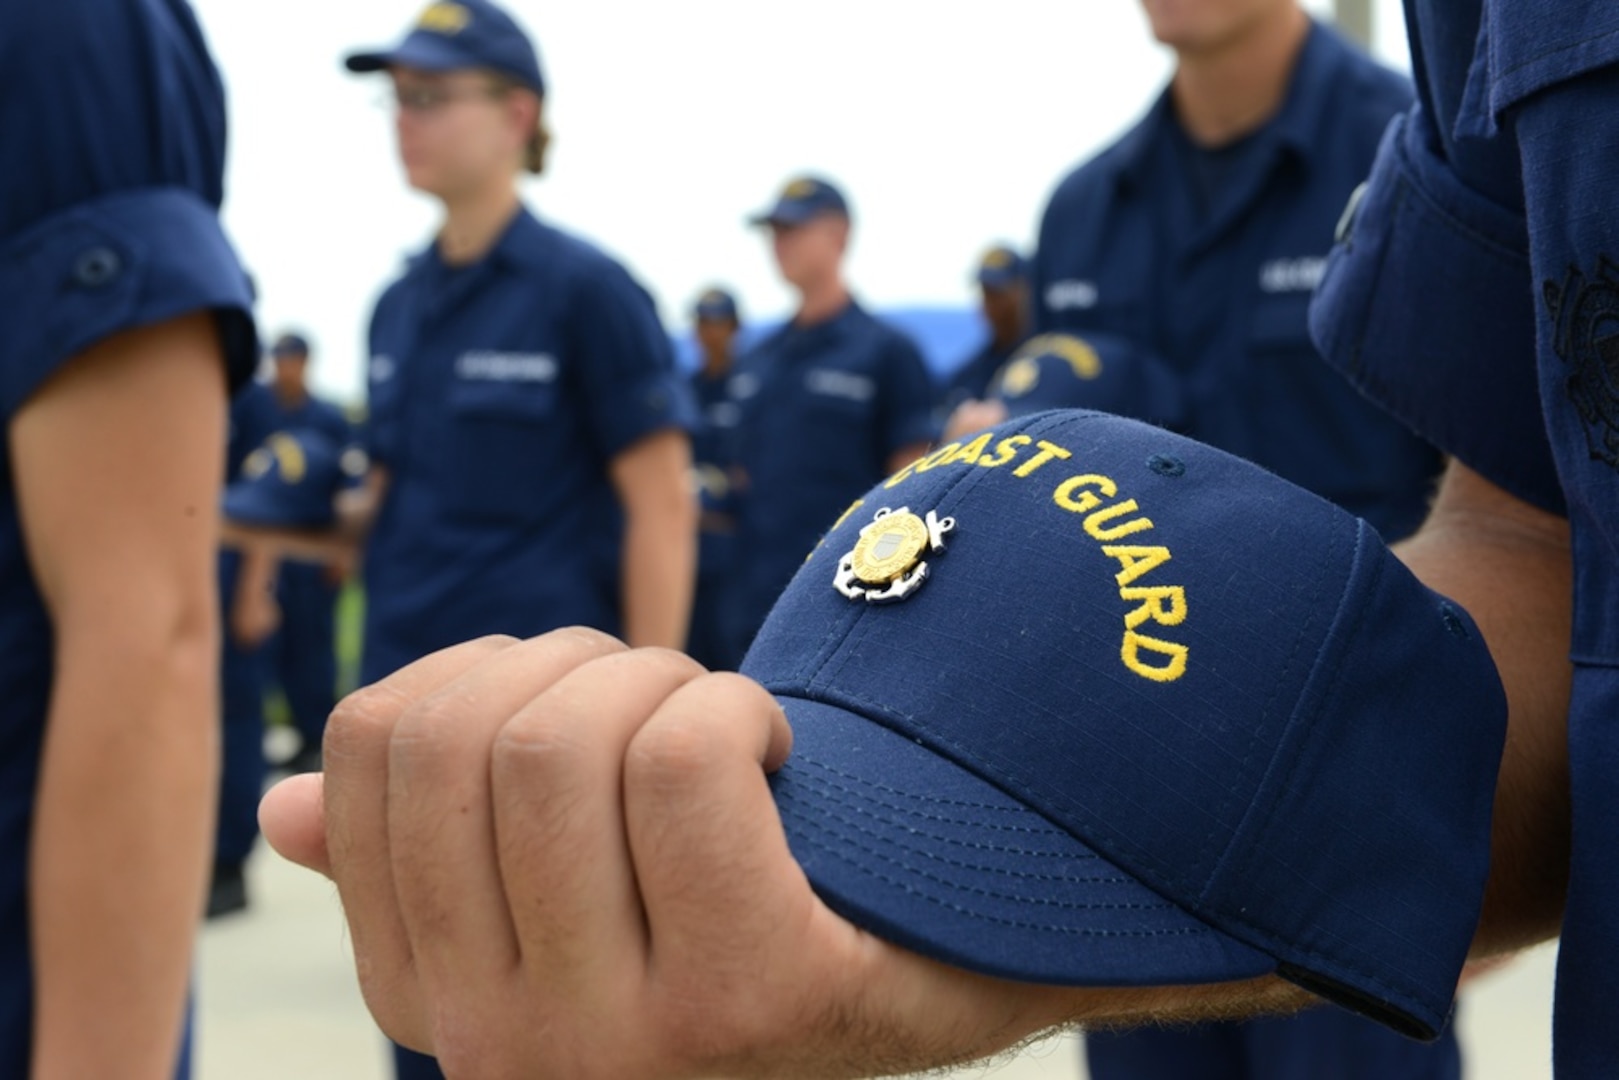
361, 722
738, 693
538, 745
427, 730
583, 638
670, 754
672, 661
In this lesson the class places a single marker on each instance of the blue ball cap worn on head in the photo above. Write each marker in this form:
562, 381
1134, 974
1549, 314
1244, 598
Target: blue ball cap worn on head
292, 479
453, 36
290, 345
804, 199
1001, 268
1101, 372
1083, 702
716, 305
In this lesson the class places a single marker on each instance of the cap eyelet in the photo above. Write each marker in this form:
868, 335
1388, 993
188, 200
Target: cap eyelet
96, 267
1453, 621
1164, 465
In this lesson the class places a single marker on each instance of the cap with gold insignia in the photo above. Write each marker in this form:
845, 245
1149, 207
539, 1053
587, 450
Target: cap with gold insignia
1095, 371
804, 199
1154, 716
454, 35
716, 305
1001, 267
291, 480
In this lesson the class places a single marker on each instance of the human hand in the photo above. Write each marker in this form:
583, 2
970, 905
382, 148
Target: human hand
972, 416
254, 618
563, 852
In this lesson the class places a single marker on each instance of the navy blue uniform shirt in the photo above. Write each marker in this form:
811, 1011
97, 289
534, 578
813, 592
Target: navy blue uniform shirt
1476, 294
257, 413
112, 144
971, 381
1208, 262
500, 392
823, 408
713, 454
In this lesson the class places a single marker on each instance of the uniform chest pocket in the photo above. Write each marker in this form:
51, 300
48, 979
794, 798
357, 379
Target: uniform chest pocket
500, 435
835, 397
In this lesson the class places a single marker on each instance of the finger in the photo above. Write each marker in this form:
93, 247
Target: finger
441, 822
292, 816
710, 853
558, 773
355, 754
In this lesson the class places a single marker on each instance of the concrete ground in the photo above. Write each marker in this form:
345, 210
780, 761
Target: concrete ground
277, 999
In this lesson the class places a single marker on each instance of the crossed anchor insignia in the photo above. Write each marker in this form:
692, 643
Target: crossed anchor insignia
887, 563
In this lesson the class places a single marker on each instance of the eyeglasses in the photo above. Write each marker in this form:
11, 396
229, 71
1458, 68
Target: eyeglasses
423, 100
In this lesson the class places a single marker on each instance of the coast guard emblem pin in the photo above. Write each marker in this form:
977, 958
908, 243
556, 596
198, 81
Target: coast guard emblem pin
887, 562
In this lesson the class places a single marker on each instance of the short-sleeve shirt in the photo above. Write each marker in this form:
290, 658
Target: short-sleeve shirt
1475, 293
112, 143
500, 393
823, 408
256, 413
1208, 261
713, 455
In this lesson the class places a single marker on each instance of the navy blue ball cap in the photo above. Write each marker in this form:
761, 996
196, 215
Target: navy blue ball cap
292, 480
290, 345
1001, 267
804, 199
1101, 372
716, 305
1078, 701
458, 34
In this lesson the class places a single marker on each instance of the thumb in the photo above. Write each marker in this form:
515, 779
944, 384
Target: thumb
293, 817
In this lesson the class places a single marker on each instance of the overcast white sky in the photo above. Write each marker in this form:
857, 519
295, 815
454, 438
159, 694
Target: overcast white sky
946, 124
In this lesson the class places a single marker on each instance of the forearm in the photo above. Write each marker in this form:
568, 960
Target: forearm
660, 565
256, 577
1510, 567
288, 543
120, 847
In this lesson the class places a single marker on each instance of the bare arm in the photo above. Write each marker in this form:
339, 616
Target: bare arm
357, 510
1509, 565
254, 613
652, 479
118, 460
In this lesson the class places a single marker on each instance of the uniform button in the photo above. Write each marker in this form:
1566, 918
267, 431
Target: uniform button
1346, 221
96, 267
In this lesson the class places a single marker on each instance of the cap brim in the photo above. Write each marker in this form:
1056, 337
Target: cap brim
422, 52
788, 215
999, 279
248, 504
911, 847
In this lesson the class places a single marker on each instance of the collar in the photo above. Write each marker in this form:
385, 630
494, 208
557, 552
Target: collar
849, 314
521, 245
1295, 130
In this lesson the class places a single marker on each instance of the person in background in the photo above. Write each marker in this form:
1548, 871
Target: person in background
832, 401
278, 616
1003, 290
1196, 241
249, 617
530, 463
303, 653
714, 465
126, 323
